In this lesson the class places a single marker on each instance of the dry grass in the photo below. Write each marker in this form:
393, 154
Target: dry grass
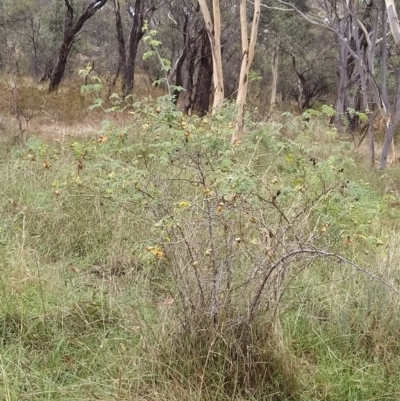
26, 105
89, 309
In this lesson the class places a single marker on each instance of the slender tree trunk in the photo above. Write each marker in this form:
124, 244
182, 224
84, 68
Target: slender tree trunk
274, 71
371, 134
371, 65
135, 36
121, 43
217, 67
34, 39
391, 125
190, 67
304, 97
387, 146
68, 38
180, 61
307, 100
131, 64
362, 56
389, 121
393, 20
338, 119
201, 101
343, 72
178, 75
248, 48
59, 70
214, 34
70, 31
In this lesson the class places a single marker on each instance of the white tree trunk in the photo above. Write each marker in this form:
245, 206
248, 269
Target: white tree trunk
393, 20
248, 47
274, 71
214, 33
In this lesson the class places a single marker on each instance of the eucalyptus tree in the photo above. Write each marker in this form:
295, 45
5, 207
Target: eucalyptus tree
390, 110
371, 53
213, 28
360, 29
192, 55
192, 66
248, 50
248, 41
300, 53
275, 34
393, 20
138, 11
72, 26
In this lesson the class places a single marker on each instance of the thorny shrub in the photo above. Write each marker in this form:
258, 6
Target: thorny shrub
218, 230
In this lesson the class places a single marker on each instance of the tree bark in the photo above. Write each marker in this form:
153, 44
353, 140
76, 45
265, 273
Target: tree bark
70, 31
33, 36
341, 85
190, 67
274, 71
201, 101
371, 134
121, 43
248, 48
214, 34
134, 38
393, 20
181, 59
178, 75
387, 109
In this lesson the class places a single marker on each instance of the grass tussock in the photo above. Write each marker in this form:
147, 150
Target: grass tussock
153, 261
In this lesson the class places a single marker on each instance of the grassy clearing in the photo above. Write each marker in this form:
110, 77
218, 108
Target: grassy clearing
152, 261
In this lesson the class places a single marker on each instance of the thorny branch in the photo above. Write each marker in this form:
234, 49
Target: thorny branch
321, 253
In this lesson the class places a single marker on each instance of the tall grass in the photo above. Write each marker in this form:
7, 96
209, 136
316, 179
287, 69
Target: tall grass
154, 261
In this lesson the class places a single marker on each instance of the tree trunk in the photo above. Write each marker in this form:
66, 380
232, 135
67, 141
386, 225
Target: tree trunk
178, 75
387, 146
70, 31
121, 43
391, 125
304, 95
134, 38
393, 20
217, 67
371, 134
274, 71
387, 109
360, 51
307, 100
190, 67
214, 34
201, 101
343, 72
131, 64
180, 61
248, 48
68, 38
59, 70
35, 33
338, 119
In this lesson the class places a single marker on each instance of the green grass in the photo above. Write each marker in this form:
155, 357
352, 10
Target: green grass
111, 251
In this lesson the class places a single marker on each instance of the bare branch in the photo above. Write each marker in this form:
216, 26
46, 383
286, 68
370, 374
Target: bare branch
273, 8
